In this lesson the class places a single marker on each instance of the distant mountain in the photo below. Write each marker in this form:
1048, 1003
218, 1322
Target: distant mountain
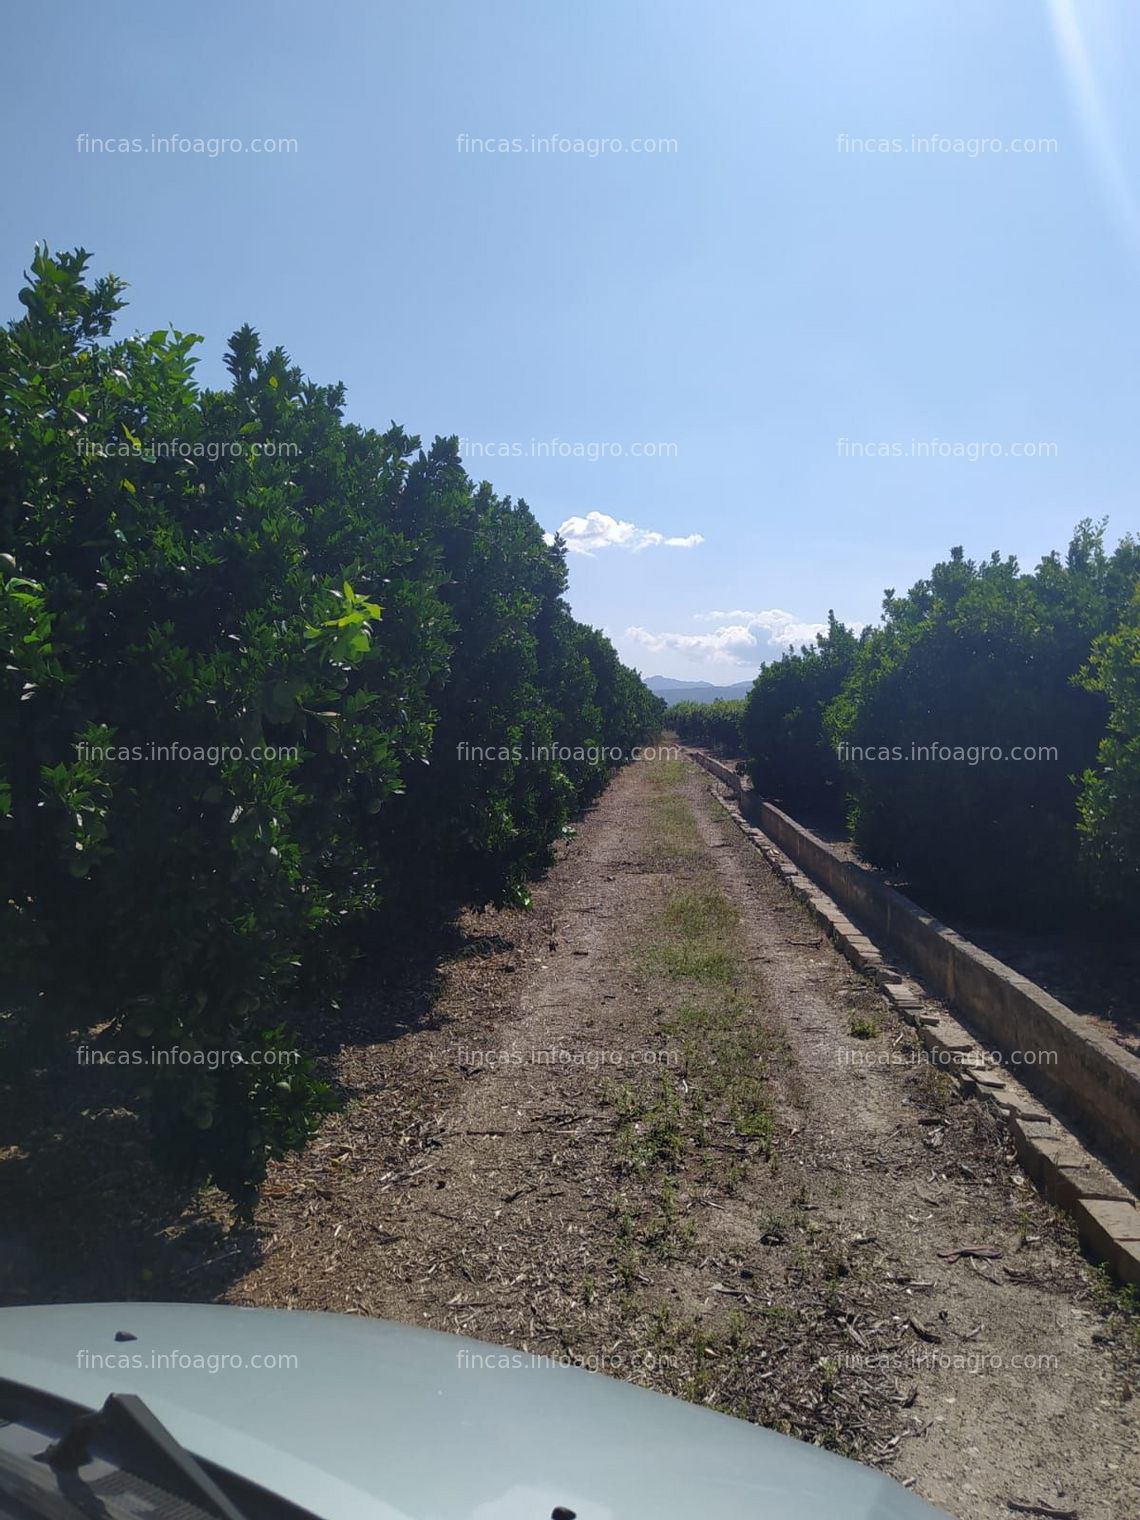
695, 691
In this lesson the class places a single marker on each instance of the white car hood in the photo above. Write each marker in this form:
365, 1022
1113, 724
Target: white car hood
376, 1421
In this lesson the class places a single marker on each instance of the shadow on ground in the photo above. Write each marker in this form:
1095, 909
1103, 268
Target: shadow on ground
84, 1214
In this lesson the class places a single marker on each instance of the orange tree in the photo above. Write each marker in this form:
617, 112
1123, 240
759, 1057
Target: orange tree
244, 642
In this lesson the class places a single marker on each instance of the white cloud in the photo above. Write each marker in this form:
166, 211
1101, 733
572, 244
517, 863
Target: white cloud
745, 639
727, 646
597, 530
782, 628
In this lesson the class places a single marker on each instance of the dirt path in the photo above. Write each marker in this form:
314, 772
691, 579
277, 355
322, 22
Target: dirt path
650, 1129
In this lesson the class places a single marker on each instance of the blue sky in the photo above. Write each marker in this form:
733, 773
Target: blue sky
738, 338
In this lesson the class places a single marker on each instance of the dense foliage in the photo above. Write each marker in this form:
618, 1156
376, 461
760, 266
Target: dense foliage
1110, 800
716, 724
790, 755
380, 704
967, 733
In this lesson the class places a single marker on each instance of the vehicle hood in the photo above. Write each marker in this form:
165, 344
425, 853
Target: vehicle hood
369, 1420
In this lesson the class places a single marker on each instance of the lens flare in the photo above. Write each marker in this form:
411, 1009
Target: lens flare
1100, 136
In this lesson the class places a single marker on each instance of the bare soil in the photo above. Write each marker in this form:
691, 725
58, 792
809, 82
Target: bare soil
659, 1127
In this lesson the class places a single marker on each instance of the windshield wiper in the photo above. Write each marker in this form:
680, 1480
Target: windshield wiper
143, 1445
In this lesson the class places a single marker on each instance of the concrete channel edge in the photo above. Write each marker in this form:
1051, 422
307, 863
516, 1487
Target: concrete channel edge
1106, 1212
